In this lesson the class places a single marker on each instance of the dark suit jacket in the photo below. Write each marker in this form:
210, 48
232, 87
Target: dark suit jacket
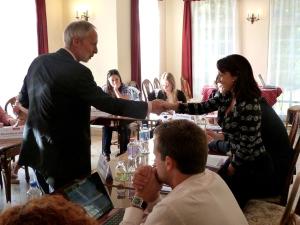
59, 91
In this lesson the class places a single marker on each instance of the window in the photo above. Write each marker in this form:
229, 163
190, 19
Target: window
149, 39
284, 51
18, 44
214, 36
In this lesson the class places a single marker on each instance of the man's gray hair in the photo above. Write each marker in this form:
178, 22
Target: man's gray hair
77, 29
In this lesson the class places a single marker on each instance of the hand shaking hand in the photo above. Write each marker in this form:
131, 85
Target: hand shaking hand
159, 106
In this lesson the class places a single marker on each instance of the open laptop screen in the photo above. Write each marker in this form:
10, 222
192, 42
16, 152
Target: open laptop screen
90, 193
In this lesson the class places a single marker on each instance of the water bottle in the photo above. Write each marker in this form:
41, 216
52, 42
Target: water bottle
133, 149
144, 134
33, 191
144, 137
121, 176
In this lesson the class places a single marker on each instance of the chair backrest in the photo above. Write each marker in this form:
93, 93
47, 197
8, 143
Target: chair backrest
289, 179
133, 83
294, 129
156, 83
9, 106
291, 208
147, 88
185, 87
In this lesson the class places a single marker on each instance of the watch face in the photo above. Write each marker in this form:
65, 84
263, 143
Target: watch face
137, 201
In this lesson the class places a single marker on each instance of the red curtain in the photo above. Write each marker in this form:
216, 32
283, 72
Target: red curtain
186, 66
135, 43
41, 26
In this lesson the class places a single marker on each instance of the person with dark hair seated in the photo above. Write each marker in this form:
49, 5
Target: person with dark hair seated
250, 171
46, 210
117, 89
275, 139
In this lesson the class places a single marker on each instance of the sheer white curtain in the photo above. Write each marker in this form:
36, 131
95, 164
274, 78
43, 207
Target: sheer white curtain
149, 39
284, 51
18, 44
214, 35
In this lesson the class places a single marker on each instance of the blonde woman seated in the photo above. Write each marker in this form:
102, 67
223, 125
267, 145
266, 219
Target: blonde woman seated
169, 92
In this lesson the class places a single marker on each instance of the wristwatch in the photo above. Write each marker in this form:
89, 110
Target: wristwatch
138, 202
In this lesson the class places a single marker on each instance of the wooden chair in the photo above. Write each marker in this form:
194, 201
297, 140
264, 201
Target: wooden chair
9, 107
147, 88
156, 83
260, 212
185, 87
294, 128
291, 112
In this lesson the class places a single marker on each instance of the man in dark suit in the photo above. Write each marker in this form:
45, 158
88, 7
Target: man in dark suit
58, 92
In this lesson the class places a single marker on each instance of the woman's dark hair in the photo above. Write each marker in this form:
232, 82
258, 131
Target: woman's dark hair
110, 89
245, 87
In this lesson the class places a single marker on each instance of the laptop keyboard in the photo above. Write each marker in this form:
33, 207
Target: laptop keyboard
116, 218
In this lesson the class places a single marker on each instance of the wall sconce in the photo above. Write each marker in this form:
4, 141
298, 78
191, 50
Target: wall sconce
83, 15
252, 17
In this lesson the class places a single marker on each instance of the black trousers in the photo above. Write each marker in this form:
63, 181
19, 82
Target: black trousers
107, 135
255, 179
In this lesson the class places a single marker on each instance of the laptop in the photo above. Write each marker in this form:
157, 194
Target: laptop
92, 195
263, 83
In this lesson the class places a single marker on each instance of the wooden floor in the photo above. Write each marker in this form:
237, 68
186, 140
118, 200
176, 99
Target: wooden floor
19, 190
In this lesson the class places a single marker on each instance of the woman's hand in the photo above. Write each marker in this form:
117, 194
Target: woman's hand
215, 135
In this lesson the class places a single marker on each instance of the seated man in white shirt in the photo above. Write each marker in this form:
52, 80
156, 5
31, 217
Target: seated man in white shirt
199, 196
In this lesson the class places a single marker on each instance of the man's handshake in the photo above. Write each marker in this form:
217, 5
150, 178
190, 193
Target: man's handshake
159, 106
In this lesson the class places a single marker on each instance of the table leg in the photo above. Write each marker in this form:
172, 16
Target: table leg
7, 176
122, 139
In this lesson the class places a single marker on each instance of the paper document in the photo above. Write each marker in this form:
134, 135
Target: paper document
216, 161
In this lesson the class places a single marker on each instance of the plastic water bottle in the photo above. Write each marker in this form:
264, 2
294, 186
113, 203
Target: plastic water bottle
144, 134
33, 191
133, 149
121, 176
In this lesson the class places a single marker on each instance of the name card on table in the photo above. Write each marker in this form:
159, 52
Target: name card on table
11, 132
104, 170
178, 116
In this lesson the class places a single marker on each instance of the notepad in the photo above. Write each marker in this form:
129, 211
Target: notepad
216, 161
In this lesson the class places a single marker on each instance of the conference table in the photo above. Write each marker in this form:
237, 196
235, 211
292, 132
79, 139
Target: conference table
270, 94
214, 162
106, 119
9, 148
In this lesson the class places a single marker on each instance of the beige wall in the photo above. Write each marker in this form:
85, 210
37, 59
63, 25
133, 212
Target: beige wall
174, 22
253, 37
112, 19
